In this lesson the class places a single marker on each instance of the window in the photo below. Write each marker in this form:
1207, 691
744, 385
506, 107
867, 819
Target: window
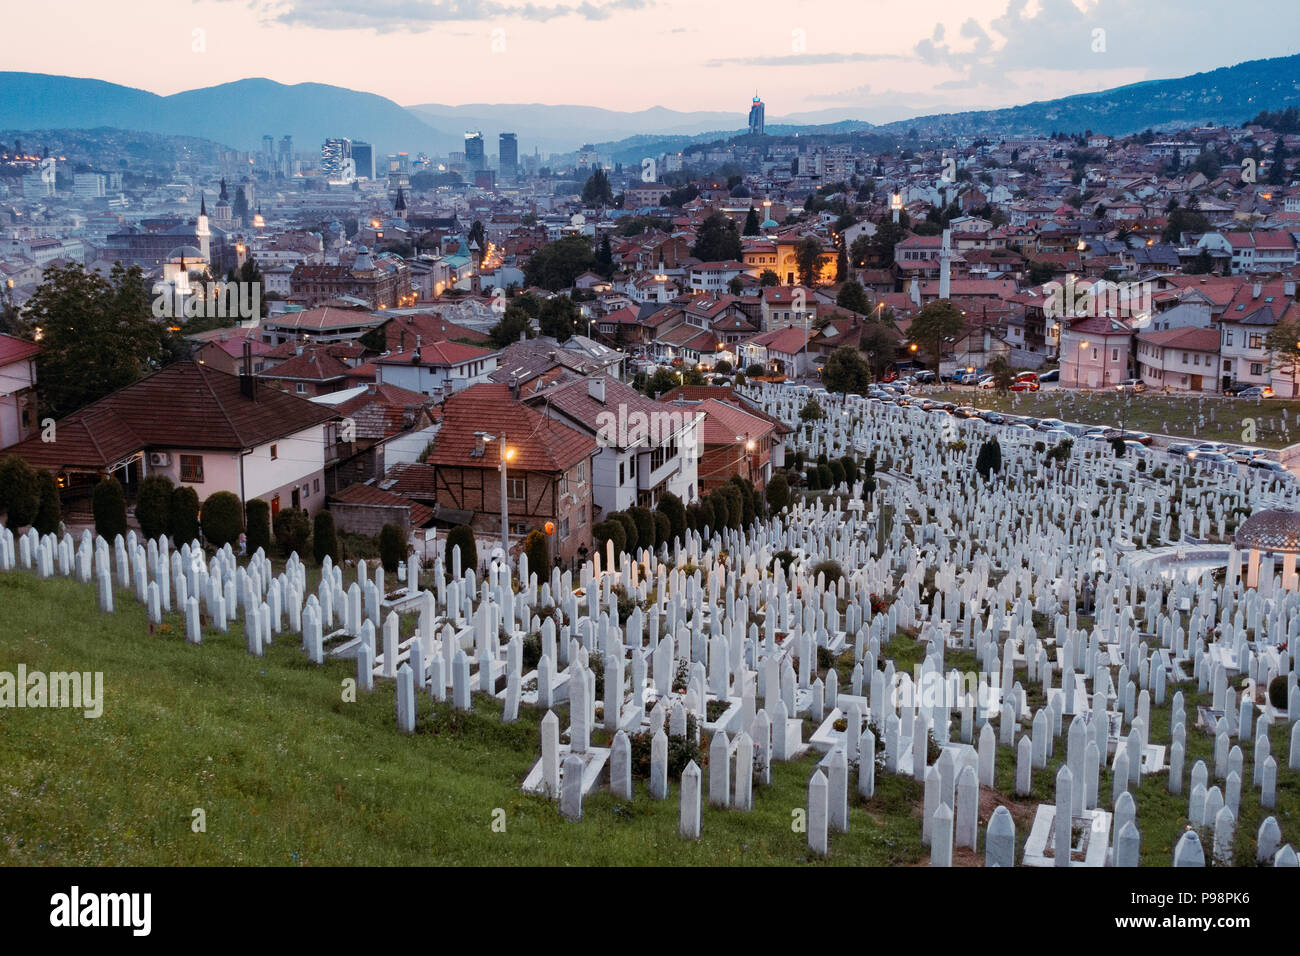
582, 472
1256, 368
192, 469
300, 388
564, 528
1256, 340
621, 476
1227, 337
275, 452
1114, 355
315, 486
515, 488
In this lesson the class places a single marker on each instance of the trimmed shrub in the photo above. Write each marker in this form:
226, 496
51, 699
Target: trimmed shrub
671, 506
778, 493
663, 529
109, 506
324, 540
392, 547
988, 460
1277, 693
850, 466
538, 550
831, 569
50, 513
183, 514
631, 536
824, 476
153, 504
645, 526
462, 536
610, 529
292, 531
708, 516
20, 491
258, 513
222, 519
837, 473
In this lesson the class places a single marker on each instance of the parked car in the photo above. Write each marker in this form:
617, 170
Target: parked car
1044, 424
1210, 458
1244, 456
925, 378
1131, 385
967, 411
1257, 391
1236, 388
1055, 436
993, 418
1212, 446
986, 382
1179, 448
1026, 382
1269, 465
968, 376
1052, 377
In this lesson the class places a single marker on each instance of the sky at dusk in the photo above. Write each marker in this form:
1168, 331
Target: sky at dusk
879, 60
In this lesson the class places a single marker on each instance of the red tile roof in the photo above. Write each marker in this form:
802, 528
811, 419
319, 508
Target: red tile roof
441, 354
361, 494
184, 405
540, 444
15, 350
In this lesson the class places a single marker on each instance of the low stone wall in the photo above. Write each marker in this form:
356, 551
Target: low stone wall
367, 519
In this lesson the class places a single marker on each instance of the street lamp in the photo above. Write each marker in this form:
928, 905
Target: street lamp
507, 453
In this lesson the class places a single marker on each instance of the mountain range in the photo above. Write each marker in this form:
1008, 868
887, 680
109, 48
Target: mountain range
238, 114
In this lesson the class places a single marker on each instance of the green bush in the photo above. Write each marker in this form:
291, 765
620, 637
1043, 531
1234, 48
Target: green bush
989, 459
813, 478
671, 506
610, 529
50, 513
292, 531
754, 370
392, 547
850, 466
837, 473
631, 536
20, 491
778, 493
183, 515
324, 541
694, 516
538, 549
663, 529
708, 517
645, 526
222, 519
258, 529
824, 476
462, 536
153, 502
831, 569
1277, 693
109, 506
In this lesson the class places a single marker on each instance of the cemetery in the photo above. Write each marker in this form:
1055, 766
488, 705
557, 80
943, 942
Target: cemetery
978, 653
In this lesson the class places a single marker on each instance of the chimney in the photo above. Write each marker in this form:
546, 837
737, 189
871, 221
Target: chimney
247, 380
1256, 289
1288, 288
596, 388
514, 387
419, 340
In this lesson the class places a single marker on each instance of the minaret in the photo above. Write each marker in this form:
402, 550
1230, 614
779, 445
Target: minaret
203, 233
945, 266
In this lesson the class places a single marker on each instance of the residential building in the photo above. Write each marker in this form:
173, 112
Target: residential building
18, 406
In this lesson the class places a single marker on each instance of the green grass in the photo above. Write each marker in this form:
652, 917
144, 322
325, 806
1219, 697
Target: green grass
289, 774
1226, 419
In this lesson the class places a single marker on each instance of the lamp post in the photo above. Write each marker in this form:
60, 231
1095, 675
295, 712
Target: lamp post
506, 454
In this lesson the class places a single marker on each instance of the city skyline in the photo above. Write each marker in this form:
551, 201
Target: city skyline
965, 55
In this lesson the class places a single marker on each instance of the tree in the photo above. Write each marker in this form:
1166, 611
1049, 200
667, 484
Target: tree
223, 519
752, 226
604, 264
183, 515
663, 529
736, 286
513, 324
97, 335
845, 371
935, 326
559, 318
538, 549
860, 250
49, 515
109, 507
808, 258
812, 411
989, 459
645, 525
671, 506
1277, 173
879, 342
717, 240
556, 265
888, 234
1003, 375
767, 279
324, 539
292, 530
392, 547
596, 190
841, 264
1203, 264
631, 533
258, 516
1180, 221
20, 492
778, 493
153, 502
853, 297
462, 536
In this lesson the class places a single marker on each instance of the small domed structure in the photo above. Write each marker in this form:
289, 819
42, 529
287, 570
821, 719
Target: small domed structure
1276, 530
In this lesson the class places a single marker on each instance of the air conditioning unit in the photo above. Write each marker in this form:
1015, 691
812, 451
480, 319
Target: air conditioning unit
159, 459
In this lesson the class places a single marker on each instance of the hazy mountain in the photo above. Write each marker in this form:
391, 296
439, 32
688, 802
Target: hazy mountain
1227, 96
236, 114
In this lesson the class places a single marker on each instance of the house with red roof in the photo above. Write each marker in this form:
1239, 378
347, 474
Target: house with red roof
783, 351
548, 470
1181, 360
200, 427
432, 367
732, 442
1095, 352
18, 407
